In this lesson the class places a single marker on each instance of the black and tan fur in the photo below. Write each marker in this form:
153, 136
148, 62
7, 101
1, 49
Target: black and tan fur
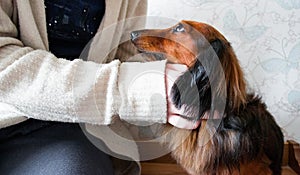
245, 138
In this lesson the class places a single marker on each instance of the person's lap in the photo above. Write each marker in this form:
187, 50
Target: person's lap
59, 148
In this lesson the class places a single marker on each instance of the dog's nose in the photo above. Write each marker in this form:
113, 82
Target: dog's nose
134, 35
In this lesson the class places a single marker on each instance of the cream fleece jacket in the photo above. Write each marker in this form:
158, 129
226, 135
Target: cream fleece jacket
36, 84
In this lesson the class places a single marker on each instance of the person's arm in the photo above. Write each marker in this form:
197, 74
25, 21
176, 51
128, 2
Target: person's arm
36, 84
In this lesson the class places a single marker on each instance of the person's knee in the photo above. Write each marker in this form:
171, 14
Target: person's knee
60, 158
74, 159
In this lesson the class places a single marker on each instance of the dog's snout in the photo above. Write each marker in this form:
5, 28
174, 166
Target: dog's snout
134, 35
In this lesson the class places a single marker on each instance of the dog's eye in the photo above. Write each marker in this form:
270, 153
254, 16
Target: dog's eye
179, 28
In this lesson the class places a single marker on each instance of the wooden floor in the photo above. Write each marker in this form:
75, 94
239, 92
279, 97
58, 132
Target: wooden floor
162, 169
167, 166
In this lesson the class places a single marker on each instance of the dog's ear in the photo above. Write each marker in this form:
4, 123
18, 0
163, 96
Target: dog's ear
224, 72
191, 91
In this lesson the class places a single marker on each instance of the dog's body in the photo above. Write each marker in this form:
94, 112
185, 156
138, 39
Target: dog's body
244, 137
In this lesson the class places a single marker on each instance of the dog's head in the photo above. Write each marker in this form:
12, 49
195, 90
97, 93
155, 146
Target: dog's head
213, 66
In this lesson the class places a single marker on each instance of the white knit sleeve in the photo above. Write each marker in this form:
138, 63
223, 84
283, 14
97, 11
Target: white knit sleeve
142, 91
40, 86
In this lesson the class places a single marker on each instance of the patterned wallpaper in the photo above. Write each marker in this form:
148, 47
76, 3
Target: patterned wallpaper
266, 37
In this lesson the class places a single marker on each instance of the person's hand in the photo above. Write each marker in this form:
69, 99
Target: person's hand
173, 71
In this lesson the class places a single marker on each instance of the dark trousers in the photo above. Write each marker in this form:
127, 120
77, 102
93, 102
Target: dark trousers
50, 148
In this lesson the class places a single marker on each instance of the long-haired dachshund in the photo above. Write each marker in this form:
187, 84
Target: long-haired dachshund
237, 134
